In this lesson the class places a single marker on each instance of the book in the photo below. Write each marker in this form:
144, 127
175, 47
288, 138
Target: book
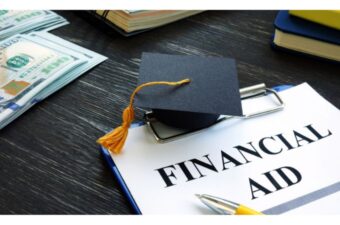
135, 21
330, 18
284, 162
302, 36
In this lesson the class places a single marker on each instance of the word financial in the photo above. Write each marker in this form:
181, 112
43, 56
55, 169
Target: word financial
192, 169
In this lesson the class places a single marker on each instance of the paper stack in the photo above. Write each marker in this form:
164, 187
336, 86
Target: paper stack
17, 22
130, 22
35, 65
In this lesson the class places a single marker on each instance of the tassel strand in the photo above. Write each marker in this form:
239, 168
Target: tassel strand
114, 141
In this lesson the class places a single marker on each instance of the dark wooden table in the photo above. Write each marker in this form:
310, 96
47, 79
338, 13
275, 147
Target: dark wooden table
49, 159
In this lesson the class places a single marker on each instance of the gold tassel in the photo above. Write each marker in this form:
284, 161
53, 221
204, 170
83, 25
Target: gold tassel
114, 141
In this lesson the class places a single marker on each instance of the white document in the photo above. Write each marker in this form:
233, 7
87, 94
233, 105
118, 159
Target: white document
284, 162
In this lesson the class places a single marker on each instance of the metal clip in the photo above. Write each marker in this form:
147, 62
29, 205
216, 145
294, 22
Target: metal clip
164, 133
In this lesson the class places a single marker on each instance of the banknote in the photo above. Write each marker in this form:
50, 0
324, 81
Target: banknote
66, 46
36, 52
26, 68
15, 21
92, 58
11, 18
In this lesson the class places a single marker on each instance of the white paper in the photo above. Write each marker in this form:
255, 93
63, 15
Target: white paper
318, 162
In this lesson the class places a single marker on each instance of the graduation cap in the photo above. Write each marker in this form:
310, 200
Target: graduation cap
187, 92
213, 89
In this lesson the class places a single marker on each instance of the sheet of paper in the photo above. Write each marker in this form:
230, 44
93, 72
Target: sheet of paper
276, 163
329, 206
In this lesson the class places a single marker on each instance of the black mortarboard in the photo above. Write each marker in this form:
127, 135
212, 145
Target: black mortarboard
187, 92
213, 89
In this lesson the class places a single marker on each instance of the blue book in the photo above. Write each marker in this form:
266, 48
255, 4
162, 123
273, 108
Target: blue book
302, 36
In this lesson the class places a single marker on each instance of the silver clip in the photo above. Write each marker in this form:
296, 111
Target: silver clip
164, 133
260, 90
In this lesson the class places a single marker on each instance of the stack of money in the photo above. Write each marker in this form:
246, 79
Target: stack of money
35, 65
18, 22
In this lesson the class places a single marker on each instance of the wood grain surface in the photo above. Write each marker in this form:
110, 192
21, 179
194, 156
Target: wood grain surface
49, 159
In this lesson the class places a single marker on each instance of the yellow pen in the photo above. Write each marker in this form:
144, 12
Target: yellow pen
226, 207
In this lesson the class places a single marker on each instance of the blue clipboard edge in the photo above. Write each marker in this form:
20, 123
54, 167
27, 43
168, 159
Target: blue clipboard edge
119, 177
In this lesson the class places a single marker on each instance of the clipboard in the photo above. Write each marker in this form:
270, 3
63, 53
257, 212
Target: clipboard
120, 180
119, 177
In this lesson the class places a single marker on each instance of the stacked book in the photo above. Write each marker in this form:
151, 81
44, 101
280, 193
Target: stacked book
17, 22
130, 22
312, 33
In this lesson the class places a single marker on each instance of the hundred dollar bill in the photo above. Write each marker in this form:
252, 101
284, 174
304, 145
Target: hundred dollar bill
91, 57
26, 68
14, 21
12, 18
50, 42
68, 47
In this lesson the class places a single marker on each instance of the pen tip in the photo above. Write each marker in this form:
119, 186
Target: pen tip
198, 195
